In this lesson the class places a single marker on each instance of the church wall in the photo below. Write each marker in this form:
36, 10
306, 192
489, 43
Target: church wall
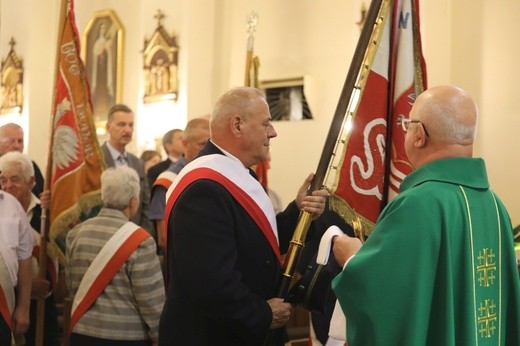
470, 43
498, 71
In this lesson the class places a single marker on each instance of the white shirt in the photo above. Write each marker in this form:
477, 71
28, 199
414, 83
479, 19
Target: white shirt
16, 240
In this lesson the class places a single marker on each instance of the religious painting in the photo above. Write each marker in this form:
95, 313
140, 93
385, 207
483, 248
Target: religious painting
102, 51
11, 76
160, 55
286, 99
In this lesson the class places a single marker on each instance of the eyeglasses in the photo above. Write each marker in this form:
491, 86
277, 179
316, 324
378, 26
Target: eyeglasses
405, 124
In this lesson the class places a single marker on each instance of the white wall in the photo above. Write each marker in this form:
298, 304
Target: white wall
470, 43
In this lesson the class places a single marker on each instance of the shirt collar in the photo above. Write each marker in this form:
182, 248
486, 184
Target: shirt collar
32, 204
231, 156
114, 152
34, 201
470, 172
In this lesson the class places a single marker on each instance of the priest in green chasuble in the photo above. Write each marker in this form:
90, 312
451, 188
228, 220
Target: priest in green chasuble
439, 267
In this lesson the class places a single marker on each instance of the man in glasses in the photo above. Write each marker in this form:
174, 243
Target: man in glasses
439, 267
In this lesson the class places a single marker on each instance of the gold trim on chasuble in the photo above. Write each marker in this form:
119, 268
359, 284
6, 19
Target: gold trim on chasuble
485, 268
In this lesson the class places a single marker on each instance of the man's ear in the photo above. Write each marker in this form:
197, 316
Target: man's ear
133, 205
419, 138
236, 123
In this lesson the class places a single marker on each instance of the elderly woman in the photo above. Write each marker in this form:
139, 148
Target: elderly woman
118, 258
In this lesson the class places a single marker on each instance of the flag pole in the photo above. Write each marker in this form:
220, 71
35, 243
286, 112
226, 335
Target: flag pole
350, 95
251, 21
44, 229
251, 80
419, 86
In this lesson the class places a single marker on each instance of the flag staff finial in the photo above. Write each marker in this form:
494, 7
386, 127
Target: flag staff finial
251, 22
361, 22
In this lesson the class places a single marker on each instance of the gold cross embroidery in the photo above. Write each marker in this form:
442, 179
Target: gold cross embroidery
487, 318
486, 267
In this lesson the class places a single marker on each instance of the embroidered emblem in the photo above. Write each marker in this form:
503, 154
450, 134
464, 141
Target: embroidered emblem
486, 267
487, 318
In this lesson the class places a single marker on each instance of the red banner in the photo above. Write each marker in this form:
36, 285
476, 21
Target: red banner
374, 161
75, 159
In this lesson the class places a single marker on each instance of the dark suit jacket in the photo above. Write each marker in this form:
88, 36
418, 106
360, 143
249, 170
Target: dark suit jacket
221, 268
157, 169
38, 181
142, 216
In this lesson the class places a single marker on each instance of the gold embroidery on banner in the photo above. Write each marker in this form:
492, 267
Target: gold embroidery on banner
487, 318
486, 267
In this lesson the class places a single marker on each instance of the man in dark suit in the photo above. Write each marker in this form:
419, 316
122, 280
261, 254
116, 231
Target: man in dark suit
172, 144
120, 127
11, 139
224, 241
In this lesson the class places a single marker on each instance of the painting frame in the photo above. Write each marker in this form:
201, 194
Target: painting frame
102, 53
11, 82
160, 65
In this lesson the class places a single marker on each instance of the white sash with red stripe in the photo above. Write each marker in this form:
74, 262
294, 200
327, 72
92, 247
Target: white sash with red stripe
235, 177
107, 263
165, 179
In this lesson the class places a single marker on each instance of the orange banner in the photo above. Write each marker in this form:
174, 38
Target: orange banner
75, 159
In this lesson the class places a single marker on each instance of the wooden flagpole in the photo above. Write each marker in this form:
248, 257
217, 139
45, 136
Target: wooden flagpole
350, 96
44, 229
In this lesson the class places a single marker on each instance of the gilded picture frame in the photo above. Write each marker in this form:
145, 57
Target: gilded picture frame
160, 55
102, 52
11, 83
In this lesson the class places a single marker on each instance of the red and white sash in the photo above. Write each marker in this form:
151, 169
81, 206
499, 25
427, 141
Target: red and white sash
233, 176
165, 179
107, 263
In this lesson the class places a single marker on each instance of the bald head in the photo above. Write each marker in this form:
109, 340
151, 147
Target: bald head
195, 135
447, 125
241, 124
237, 101
450, 114
11, 138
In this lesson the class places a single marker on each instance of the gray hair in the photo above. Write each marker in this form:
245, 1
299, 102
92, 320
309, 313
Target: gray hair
236, 101
168, 137
9, 125
15, 158
193, 128
118, 186
451, 128
119, 107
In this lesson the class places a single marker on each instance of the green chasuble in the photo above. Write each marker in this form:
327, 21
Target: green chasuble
439, 267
